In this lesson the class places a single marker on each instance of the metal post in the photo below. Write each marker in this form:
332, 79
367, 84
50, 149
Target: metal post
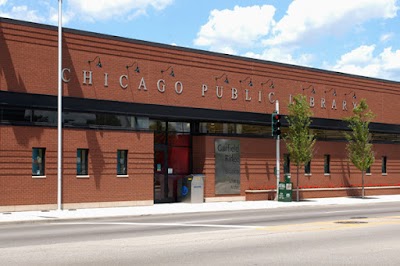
59, 109
277, 155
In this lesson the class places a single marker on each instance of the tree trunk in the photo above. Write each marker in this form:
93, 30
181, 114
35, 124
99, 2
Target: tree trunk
297, 183
362, 185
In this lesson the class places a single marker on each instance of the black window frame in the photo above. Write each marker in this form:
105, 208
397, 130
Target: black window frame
82, 171
38, 161
307, 168
384, 165
124, 164
327, 164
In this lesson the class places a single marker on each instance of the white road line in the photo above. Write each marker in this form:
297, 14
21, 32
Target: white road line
170, 224
207, 221
341, 211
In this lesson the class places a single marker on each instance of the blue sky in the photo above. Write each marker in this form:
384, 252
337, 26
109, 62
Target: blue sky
359, 37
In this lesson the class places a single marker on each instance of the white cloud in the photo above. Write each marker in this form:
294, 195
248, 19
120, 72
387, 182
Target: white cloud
282, 55
362, 61
308, 19
46, 11
386, 37
228, 29
235, 30
93, 10
23, 13
391, 60
67, 16
360, 55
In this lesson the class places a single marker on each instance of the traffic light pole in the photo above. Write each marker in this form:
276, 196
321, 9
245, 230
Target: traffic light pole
277, 155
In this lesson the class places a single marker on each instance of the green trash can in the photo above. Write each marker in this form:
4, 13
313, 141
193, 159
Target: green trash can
285, 190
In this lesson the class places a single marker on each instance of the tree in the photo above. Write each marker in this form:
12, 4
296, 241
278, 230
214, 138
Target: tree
299, 140
359, 147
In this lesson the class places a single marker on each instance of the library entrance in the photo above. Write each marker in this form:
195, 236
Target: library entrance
172, 156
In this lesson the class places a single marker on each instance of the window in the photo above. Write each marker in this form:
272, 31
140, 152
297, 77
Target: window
307, 168
44, 116
286, 164
122, 162
82, 162
368, 172
103, 120
38, 157
327, 164
11, 114
384, 159
226, 128
179, 126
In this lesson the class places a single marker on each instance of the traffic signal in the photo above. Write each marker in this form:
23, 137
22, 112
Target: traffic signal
276, 124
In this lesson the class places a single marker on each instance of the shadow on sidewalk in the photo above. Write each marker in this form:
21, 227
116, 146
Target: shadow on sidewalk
304, 200
365, 197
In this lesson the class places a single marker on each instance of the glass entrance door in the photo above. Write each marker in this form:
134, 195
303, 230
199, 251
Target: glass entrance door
172, 149
160, 174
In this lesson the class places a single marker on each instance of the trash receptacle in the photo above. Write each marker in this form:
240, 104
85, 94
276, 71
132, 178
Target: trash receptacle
192, 190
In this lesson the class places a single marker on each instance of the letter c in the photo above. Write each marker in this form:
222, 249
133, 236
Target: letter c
63, 76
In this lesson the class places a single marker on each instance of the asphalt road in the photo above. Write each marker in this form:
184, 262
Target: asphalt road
318, 235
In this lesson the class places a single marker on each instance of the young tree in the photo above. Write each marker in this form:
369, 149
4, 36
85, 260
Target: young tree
299, 140
359, 145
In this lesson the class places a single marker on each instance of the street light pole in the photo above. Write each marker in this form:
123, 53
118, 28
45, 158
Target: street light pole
59, 110
278, 166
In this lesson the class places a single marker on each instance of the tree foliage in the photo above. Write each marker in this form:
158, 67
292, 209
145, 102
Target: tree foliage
299, 140
359, 146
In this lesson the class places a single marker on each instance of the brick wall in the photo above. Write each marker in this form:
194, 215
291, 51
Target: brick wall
258, 160
17, 187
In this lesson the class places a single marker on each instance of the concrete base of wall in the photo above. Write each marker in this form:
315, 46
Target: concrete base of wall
225, 199
346, 192
253, 195
307, 193
20, 208
85, 205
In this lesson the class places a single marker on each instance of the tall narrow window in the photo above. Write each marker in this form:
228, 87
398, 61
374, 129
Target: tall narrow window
368, 172
327, 164
122, 162
307, 168
82, 162
38, 158
384, 159
286, 164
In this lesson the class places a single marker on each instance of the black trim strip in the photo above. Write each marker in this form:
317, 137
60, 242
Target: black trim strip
73, 104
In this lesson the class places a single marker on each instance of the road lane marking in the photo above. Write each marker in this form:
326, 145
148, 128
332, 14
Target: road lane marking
339, 211
207, 221
292, 228
166, 224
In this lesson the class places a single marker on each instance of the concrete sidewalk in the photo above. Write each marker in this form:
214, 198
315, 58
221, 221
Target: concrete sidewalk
173, 208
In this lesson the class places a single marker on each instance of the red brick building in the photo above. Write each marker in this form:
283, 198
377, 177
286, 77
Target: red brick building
139, 116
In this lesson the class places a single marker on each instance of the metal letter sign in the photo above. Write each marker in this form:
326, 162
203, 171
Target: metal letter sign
227, 166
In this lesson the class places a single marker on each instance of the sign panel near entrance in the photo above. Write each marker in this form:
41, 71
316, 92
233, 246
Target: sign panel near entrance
227, 166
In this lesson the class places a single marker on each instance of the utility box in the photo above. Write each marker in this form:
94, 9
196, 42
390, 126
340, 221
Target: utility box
192, 190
